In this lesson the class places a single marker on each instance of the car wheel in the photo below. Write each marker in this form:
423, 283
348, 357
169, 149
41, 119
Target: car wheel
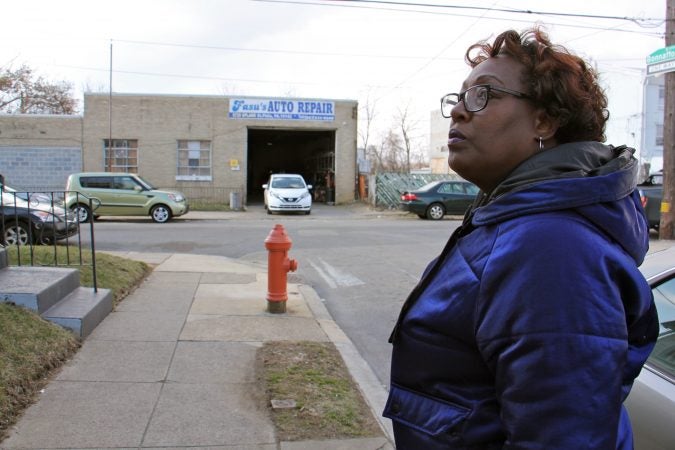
435, 211
160, 213
16, 233
82, 213
44, 240
268, 211
307, 213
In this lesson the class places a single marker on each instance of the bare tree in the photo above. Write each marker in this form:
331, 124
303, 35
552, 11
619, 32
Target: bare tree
369, 114
22, 92
375, 153
393, 152
407, 127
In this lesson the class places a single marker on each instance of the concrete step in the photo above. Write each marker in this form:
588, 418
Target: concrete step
37, 288
81, 310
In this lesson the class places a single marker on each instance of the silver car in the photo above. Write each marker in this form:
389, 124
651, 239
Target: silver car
651, 403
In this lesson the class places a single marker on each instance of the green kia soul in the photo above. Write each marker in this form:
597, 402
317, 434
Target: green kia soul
121, 194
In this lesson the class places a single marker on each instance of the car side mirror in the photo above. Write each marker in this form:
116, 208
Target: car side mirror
138, 188
264, 186
309, 186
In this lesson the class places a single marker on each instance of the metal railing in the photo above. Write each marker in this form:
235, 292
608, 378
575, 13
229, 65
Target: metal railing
29, 220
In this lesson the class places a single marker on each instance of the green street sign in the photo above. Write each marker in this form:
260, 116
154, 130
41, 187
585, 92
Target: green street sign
661, 61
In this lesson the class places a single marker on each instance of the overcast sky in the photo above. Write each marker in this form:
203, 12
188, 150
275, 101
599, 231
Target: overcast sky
395, 55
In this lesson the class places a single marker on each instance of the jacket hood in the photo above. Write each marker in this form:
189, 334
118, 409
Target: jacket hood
595, 180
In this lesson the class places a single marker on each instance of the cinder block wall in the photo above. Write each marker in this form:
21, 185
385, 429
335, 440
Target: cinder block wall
158, 122
38, 152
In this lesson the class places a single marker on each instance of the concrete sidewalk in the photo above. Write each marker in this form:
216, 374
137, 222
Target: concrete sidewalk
173, 366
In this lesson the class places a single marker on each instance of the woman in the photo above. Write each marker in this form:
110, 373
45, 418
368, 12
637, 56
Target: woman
530, 327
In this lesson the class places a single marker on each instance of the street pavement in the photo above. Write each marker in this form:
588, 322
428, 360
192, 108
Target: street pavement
173, 366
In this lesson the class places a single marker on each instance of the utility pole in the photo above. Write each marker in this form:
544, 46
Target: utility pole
108, 152
666, 228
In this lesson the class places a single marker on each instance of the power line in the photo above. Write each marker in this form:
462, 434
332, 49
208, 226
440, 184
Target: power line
268, 50
455, 14
636, 20
198, 77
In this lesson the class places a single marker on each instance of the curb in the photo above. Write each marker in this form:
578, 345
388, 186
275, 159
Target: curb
372, 390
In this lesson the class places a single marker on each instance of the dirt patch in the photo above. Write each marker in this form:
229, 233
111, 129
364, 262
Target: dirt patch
314, 394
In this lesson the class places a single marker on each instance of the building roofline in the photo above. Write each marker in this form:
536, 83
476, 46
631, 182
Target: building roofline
49, 116
129, 94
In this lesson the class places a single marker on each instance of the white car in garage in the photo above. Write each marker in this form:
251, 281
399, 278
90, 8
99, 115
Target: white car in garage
287, 192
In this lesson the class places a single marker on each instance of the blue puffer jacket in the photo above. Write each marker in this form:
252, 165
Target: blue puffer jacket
528, 330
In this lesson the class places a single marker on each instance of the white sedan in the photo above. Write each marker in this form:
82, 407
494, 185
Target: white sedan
287, 192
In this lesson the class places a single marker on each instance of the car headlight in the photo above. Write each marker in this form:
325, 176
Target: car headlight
304, 195
44, 216
176, 197
274, 194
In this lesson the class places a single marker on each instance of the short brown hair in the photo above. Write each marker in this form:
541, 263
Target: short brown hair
557, 80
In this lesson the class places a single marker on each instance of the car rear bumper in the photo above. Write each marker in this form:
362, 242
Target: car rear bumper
415, 208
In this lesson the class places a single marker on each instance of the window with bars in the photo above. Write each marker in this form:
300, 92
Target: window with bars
194, 160
658, 141
122, 156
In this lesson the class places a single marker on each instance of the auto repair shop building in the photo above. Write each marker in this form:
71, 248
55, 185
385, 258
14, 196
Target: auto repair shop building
206, 146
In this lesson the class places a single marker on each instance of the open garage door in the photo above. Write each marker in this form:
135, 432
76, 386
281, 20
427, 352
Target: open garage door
311, 153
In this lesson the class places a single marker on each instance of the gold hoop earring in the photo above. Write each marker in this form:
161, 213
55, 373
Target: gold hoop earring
541, 143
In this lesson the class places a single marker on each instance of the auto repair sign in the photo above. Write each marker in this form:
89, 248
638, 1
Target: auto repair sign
281, 109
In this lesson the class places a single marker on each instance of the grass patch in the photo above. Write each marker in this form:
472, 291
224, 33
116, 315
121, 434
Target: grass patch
328, 403
31, 348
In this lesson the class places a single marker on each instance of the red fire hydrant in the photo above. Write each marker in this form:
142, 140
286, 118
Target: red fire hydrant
278, 244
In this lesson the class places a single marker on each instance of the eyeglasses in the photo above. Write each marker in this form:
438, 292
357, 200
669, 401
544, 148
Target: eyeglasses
475, 98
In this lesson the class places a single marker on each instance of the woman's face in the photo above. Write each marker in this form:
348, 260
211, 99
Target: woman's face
485, 146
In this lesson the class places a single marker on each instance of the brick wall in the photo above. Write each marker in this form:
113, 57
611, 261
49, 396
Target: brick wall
158, 121
39, 151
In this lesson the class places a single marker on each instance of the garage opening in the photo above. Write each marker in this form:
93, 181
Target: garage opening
311, 153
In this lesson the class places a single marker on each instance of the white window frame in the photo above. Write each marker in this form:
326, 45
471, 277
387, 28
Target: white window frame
121, 149
192, 148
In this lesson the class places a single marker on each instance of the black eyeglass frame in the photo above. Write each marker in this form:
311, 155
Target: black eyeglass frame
460, 97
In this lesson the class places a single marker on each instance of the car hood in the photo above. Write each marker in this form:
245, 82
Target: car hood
9, 200
292, 193
167, 192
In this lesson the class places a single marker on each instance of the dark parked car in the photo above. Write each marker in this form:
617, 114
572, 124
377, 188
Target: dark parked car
438, 198
651, 195
23, 224
651, 403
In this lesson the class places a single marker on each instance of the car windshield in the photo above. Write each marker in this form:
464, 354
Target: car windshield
472, 189
288, 183
663, 355
12, 199
149, 186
